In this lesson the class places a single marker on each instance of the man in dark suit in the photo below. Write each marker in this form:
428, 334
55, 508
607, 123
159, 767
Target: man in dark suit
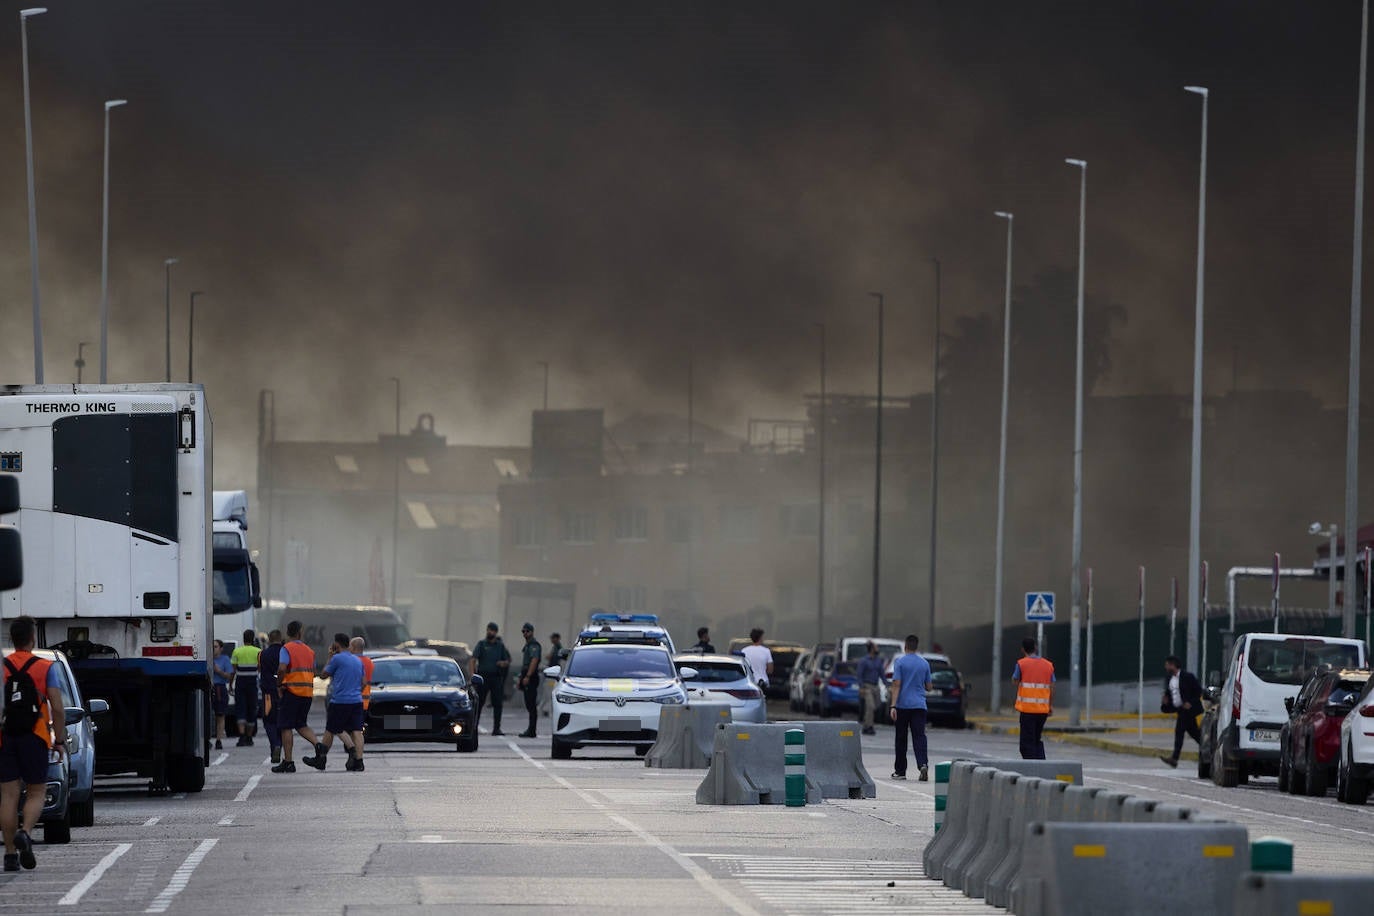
1182, 696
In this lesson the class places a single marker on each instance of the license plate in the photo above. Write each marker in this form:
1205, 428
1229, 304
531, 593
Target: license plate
408, 723
619, 725
1264, 734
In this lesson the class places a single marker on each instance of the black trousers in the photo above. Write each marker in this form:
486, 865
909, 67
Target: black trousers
1032, 728
1186, 725
913, 721
531, 691
493, 687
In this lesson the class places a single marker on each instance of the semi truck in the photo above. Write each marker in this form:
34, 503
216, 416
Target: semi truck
236, 591
115, 515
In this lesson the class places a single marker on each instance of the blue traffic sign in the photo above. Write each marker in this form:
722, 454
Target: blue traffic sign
1040, 607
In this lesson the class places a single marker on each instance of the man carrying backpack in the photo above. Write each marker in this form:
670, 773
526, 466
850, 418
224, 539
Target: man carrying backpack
32, 698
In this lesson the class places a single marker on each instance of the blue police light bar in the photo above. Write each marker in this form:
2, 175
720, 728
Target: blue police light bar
625, 618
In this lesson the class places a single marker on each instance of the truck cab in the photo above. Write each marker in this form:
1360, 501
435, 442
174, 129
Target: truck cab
236, 590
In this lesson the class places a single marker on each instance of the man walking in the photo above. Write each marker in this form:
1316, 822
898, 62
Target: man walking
268, 662
245, 660
296, 674
759, 657
530, 656
35, 720
910, 681
1182, 696
870, 676
344, 714
703, 646
222, 670
1034, 678
491, 660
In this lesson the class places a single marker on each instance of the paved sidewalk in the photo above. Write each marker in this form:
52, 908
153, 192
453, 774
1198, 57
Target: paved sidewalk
1116, 732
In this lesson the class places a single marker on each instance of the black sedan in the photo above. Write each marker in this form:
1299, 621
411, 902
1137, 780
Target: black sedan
422, 698
947, 700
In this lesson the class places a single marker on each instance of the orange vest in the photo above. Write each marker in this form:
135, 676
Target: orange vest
1034, 686
298, 674
367, 681
38, 671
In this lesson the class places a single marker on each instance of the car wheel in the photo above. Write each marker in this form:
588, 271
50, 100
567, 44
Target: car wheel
83, 813
560, 750
1204, 757
1285, 775
642, 750
185, 772
1225, 773
467, 744
1356, 787
1316, 775
58, 831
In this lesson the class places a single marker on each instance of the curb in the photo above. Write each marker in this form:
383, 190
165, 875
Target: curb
1103, 744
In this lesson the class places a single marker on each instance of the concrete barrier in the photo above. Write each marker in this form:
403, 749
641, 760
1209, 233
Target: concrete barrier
1070, 869
1070, 771
956, 820
941, 793
973, 879
976, 830
1169, 813
1079, 802
1277, 894
1138, 810
1109, 807
1047, 804
1024, 804
686, 736
747, 768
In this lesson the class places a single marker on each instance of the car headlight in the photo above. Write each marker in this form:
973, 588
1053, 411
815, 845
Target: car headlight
570, 698
672, 699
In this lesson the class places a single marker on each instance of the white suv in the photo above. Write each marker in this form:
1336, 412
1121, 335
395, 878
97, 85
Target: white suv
1356, 767
610, 694
1241, 733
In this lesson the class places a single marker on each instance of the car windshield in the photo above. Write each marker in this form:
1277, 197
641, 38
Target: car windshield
714, 672
620, 662
856, 651
1345, 692
436, 670
1290, 661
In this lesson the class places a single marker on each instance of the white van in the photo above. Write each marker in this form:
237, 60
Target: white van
1241, 733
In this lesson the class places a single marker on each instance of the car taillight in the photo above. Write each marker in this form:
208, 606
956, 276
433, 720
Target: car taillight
956, 692
745, 693
1367, 712
1235, 698
836, 682
817, 682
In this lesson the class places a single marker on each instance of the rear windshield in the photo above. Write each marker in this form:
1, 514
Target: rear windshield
1291, 661
715, 672
845, 669
620, 661
1345, 692
944, 677
856, 651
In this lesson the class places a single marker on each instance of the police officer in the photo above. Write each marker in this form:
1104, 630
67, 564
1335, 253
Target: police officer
245, 658
268, 662
296, 690
529, 677
491, 659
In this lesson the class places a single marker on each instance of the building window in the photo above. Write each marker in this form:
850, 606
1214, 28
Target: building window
683, 524
627, 598
529, 530
631, 524
579, 527
739, 523
799, 521
346, 463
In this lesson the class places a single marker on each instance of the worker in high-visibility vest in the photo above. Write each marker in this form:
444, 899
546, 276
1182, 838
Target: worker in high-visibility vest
245, 661
1034, 678
296, 690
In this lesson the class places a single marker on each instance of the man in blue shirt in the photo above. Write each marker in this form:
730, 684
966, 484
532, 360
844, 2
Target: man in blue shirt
345, 710
910, 681
223, 671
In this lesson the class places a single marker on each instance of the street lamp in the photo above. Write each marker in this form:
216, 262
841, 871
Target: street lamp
878, 474
167, 291
996, 699
191, 339
1076, 587
1329, 532
1352, 404
1195, 489
105, 250
80, 359
33, 196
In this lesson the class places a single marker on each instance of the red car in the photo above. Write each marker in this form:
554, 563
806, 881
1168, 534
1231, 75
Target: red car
1310, 741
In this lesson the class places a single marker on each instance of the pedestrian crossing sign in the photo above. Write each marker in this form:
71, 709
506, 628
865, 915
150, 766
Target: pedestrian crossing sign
1040, 607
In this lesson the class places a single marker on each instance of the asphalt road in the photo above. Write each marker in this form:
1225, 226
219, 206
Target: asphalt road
508, 829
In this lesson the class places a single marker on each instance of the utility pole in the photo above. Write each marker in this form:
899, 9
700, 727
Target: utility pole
934, 461
820, 531
878, 477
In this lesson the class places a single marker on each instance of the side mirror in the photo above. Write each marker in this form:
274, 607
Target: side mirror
1214, 679
255, 579
553, 671
1288, 704
687, 673
75, 714
98, 707
477, 680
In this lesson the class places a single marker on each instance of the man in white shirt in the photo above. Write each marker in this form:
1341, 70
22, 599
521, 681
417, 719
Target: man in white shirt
759, 658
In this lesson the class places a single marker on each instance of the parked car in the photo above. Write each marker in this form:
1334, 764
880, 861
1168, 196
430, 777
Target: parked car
1240, 733
947, 699
1355, 771
724, 678
460, 652
841, 691
1310, 741
421, 698
885, 688
814, 673
794, 681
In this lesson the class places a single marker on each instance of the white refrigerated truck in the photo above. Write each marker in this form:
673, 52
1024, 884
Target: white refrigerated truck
235, 591
115, 516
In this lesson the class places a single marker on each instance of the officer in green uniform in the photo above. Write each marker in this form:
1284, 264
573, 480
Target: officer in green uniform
491, 659
529, 677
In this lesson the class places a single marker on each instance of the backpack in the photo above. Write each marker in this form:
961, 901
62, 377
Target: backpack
21, 700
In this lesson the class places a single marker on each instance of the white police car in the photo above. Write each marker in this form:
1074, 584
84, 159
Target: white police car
610, 695
643, 629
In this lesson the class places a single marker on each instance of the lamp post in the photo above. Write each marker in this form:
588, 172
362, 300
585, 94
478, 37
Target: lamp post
996, 698
1352, 406
820, 527
1076, 587
878, 474
396, 495
167, 291
191, 339
1195, 489
1329, 532
934, 461
24, 16
80, 359
105, 251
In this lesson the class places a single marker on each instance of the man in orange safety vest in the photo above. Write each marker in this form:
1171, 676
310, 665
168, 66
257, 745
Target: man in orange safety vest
1034, 678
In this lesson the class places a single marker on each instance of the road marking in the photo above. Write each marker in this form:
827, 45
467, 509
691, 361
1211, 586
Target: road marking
79, 888
181, 877
699, 874
218, 760
226, 821
1308, 822
815, 814
248, 788
409, 780
151, 822
179, 796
